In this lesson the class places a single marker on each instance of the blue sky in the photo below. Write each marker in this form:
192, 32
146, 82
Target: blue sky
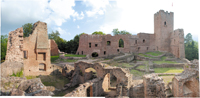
71, 17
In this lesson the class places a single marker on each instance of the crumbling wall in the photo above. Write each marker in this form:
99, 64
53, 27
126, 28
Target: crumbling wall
153, 86
124, 78
14, 51
161, 40
94, 86
53, 47
177, 43
186, 84
137, 91
37, 50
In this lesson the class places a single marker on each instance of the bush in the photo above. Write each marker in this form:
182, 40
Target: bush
18, 74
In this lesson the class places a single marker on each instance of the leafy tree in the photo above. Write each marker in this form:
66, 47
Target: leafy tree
27, 29
59, 41
116, 32
191, 48
4, 40
188, 38
98, 32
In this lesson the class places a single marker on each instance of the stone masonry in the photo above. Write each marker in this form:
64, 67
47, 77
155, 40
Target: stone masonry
164, 39
53, 47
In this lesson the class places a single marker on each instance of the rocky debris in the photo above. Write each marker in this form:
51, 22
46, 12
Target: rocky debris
9, 83
67, 71
17, 92
43, 93
25, 85
35, 86
8, 68
50, 88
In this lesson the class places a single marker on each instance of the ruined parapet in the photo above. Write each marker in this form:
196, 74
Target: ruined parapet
14, 51
186, 84
153, 86
88, 89
177, 47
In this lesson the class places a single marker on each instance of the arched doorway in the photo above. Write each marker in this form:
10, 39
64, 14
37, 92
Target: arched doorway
90, 73
121, 43
95, 54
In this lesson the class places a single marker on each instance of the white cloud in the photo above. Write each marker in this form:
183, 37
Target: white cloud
138, 16
78, 26
61, 31
16, 13
98, 7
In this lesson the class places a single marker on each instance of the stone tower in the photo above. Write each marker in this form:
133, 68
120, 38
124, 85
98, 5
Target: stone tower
163, 27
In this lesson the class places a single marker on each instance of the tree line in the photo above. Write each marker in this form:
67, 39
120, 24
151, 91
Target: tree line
71, 46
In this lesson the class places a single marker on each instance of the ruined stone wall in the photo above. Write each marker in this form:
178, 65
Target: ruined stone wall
89, 44
153, 86
161, 40
37, 51
94, 87
163, 27
177, 43
14, 51
123, 76
137, 91
53, 47
186, 84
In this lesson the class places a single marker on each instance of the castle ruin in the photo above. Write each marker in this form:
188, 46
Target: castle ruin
164, 39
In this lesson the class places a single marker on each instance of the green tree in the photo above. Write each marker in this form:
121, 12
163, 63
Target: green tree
121, 43
59, 41
4, 40
188, 38
117, 32
191, 48
27, 29
98, 32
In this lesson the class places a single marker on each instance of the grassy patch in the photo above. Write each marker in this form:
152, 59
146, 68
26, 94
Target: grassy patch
168, 70
140, 54
141, 67
167, 79
163, 58
58, 81
31, 77
54, 58
74, 55
167, 62
126, 65
18, 74
67, 60
136, 73
156, 53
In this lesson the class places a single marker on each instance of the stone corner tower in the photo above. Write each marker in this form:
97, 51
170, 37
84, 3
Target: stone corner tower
163, 27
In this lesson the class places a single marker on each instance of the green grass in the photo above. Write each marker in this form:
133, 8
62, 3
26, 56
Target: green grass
156, 53
136, 73
167, 79
18, 74
54, 58
140, 54
126, 65
74, 55
163, 58
54, 80
31, 77
168, 70
141, 67
162, 62
67, 60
